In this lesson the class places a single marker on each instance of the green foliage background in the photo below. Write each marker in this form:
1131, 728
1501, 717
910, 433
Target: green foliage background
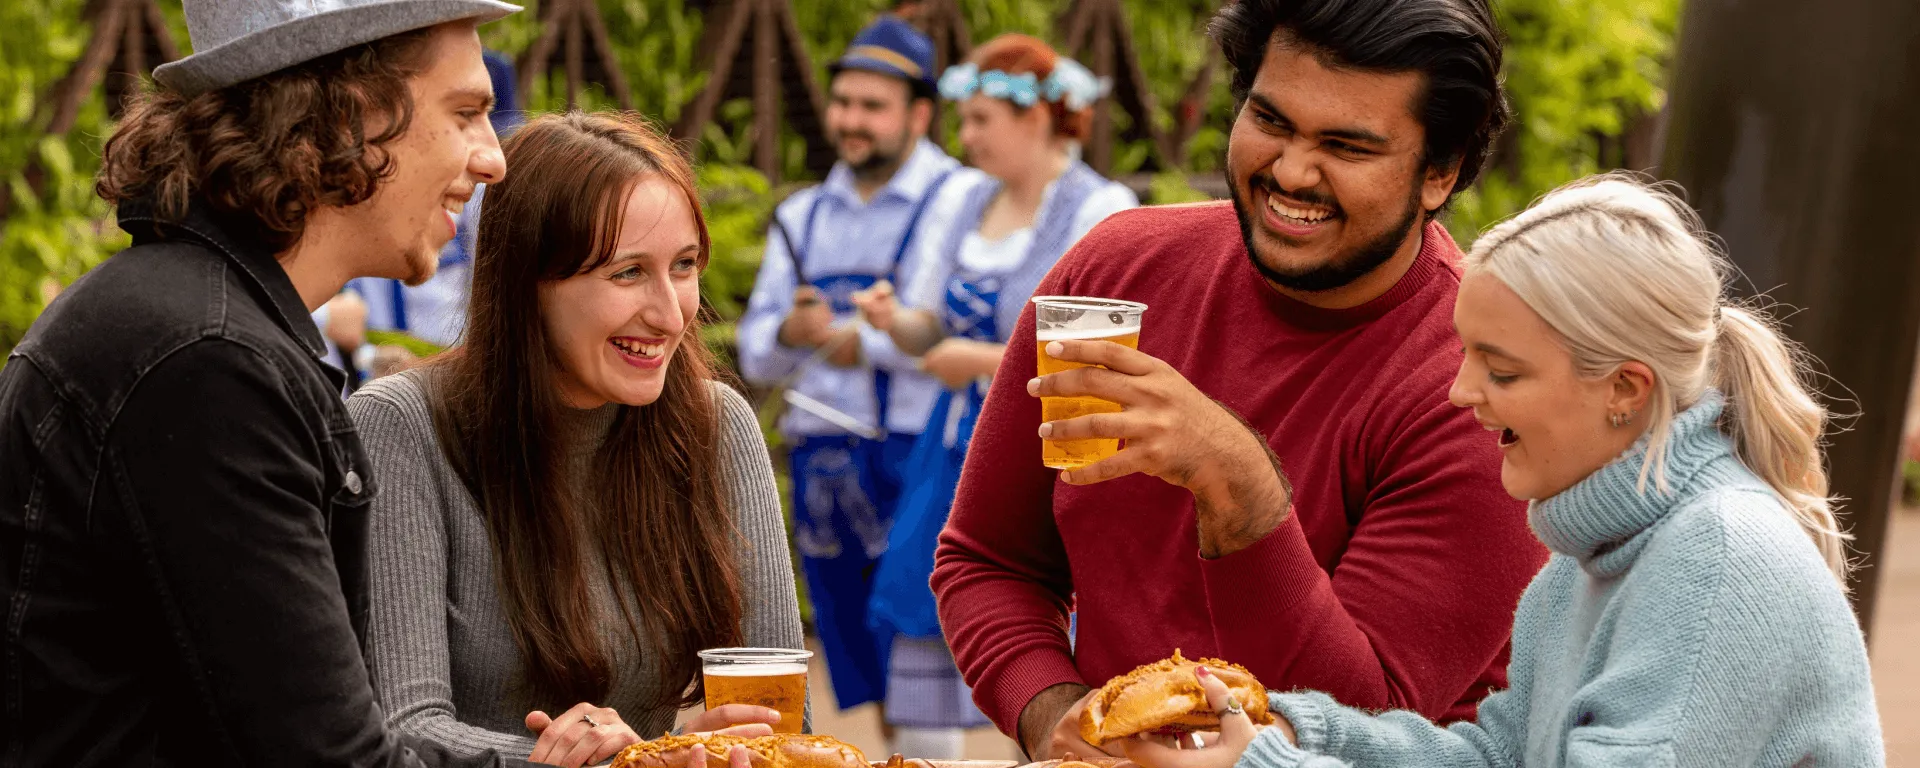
55, 233
1577, 70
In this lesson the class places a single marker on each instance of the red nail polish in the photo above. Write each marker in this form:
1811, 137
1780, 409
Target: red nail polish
1201, 671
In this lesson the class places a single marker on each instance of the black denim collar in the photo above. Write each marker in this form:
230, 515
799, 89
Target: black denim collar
141, 218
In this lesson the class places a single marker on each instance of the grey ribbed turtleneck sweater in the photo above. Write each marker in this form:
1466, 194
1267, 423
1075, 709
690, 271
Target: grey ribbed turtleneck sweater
444, 661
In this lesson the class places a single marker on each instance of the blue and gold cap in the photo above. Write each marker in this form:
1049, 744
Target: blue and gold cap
891, 46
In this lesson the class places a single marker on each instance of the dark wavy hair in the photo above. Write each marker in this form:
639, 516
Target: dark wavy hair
1454, 43
264, 152
667, 540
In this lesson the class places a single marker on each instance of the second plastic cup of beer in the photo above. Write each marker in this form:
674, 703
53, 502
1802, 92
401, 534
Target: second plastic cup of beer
775, 678
1080, 318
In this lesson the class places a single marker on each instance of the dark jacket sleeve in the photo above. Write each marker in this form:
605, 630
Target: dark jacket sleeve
221, 480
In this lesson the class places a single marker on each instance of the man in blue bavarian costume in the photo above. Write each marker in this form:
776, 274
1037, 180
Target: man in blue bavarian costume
855, 402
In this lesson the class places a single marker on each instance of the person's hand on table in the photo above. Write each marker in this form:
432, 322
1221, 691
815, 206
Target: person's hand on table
583, 735
1173, 431
1220, 750
734, 720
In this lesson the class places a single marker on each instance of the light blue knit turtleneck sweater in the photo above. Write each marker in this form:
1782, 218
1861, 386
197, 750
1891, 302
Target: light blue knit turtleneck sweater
1695, 628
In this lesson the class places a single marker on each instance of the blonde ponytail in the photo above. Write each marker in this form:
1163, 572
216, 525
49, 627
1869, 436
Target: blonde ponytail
1776, 424
1655, 298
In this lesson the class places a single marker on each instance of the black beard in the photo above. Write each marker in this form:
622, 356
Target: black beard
1343, 269
880, 164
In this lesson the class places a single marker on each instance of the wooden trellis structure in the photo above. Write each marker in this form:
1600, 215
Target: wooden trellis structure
573, 38
952, 40
130, 38
1191, 113
753, 49
1095, 33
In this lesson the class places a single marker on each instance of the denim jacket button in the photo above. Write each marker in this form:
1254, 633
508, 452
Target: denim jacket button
353, 482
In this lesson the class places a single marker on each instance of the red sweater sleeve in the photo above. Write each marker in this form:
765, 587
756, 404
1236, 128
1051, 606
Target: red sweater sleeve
1000, 572
1422, 599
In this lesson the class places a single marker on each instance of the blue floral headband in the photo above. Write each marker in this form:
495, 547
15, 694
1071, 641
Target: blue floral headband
1070, 84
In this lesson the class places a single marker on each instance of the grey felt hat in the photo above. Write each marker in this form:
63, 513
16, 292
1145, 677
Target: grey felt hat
237, 40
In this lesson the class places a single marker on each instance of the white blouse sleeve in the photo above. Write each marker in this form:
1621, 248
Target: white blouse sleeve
924, 273
1105, 201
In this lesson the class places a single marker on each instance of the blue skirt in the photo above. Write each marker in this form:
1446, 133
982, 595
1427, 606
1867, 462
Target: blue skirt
844, 493
924, 688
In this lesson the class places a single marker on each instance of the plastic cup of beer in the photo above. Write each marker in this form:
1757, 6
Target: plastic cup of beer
1080, 318
775, 678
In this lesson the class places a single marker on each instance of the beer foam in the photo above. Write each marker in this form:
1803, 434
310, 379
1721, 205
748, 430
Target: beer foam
756, 670
1077, 334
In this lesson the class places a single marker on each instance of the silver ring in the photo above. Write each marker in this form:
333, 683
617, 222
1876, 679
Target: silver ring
590, 721
1233, 707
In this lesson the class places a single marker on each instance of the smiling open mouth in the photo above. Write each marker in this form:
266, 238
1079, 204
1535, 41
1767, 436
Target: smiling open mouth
1508, 438
1297, 215
640, 349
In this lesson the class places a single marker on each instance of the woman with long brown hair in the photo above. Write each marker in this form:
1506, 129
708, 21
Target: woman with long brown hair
573, 505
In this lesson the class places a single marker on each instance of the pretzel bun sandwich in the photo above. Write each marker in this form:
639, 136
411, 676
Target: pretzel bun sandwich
1165, 697
777, 751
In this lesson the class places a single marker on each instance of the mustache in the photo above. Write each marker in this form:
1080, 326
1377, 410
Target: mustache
1265, 182
844, 135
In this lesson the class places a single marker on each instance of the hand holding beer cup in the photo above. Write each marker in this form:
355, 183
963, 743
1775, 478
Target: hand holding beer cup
1172, 431
744, 684
744, 720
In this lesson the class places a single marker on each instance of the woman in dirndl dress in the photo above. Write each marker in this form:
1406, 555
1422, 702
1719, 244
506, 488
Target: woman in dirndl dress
1023, 109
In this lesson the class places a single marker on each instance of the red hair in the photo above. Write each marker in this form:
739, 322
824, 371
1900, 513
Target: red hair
1017, 54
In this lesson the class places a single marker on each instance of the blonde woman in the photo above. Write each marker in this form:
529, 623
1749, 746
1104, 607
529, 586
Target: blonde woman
1693, 611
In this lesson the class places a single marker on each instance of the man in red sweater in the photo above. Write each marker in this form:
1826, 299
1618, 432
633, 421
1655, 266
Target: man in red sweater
1295, 493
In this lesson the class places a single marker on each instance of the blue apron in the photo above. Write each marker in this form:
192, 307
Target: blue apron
984, 307
844, 491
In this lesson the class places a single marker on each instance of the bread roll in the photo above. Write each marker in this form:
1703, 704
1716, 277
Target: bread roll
1166, 696
777, 751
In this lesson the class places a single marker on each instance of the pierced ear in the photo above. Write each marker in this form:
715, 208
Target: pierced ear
1632, 387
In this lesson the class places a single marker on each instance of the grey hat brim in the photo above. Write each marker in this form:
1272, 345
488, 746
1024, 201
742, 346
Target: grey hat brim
310, 37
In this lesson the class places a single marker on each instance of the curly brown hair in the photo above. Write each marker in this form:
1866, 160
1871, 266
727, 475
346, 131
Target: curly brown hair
264, 152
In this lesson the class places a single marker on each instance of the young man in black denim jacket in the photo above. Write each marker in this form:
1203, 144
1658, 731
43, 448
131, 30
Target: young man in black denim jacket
183, 499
